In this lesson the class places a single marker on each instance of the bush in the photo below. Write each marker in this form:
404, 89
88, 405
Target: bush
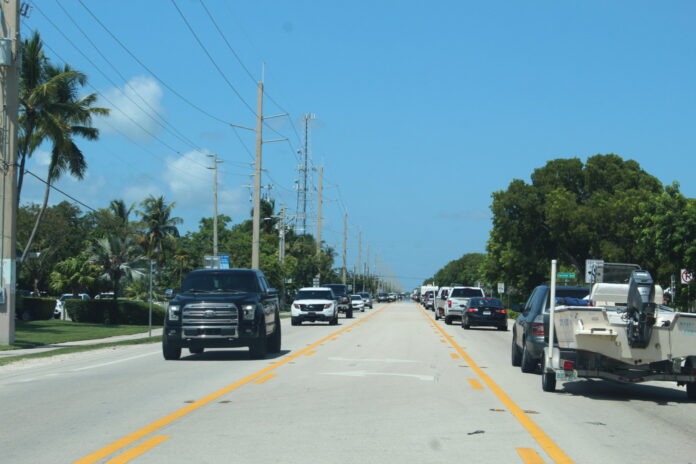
35, 309
123, 312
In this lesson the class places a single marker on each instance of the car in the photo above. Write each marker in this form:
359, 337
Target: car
357, 303
454, 301
382, 297
58, 312
485, 311
314, 304
367, 298
342, 298
428, 300
529, 329
392, 297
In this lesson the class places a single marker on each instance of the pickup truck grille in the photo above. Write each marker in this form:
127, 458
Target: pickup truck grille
210, 313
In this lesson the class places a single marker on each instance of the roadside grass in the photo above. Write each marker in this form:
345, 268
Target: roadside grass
40, 333
79, 348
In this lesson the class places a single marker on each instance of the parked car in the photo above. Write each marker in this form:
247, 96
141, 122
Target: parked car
485, 311
314, 304
528, 340
357, 303
428, 300
58, 310
367, 298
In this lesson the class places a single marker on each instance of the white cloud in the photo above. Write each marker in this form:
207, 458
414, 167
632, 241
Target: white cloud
41, 158
134, 108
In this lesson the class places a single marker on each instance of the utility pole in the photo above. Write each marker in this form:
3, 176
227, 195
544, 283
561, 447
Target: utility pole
345, 249
256, 216
359, 266
9, 102
320, 203
281, 235
301, 225
216, 161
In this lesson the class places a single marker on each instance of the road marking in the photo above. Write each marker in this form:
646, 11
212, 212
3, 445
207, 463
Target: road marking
454, 355
136, 451
546, 443
386, 360
114, 362
529, 456
428, 378
176, 415
310, 353
265, 378
475, 384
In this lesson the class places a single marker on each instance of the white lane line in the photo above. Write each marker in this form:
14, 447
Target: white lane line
95, 366
427, 378
385, 360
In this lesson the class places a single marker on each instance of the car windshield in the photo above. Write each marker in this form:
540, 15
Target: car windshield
314, 295
220, 282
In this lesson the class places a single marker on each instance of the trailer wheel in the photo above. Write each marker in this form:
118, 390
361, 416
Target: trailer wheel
548, 378
691, 391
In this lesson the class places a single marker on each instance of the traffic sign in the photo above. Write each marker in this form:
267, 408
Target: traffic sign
686, 276
566, 275
501, 287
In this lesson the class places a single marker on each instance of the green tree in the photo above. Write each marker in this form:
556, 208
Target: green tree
465, 271
53, 111
73, 275
159, 228
118, 259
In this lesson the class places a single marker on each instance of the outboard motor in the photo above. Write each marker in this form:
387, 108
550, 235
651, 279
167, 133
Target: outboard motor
640, 310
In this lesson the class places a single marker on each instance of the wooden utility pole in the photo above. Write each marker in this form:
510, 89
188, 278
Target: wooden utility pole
9, 102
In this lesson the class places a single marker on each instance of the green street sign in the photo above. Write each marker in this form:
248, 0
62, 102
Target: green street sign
566, 275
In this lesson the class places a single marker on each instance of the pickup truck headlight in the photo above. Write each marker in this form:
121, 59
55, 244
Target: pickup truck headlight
248, 312
173, 312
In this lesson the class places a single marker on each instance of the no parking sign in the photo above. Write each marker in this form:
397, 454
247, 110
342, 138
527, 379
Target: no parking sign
686, 276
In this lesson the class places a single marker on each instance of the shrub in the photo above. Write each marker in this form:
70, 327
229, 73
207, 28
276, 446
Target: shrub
126, 312
35, 309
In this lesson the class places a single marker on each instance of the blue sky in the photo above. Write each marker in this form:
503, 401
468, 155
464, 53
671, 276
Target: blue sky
423, 109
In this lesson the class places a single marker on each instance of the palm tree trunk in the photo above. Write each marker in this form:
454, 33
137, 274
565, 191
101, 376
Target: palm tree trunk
38, 221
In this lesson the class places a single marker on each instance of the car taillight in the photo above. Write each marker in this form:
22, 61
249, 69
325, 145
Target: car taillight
449, 303
502, 311
471, 310
567, 365
538, 329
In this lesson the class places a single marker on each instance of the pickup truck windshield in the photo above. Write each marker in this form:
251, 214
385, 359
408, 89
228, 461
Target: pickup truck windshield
220, 282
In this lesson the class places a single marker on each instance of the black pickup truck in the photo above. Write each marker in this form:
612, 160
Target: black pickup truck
223, 308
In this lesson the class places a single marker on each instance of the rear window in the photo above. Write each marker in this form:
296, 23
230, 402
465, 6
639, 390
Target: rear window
466, 292
314, 295
485, 303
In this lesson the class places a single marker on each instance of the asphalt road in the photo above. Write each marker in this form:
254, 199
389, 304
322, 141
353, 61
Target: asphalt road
391, 385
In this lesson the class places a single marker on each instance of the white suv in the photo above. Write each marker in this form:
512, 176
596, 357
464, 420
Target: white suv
457, 302
314, 304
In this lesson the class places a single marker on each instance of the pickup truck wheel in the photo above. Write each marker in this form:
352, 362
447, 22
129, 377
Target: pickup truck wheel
196, 349
691, 390
516, 354
527, 364
274, 341
448, 320
334, 320
437, 316
258, 347
349, 314
170, 350
548, 379
295, 321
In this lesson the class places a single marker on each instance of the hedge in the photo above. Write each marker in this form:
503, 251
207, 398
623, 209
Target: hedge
125, 312
35, 308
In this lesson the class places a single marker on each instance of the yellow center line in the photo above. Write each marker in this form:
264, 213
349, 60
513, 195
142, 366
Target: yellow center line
546, 443
265, 378
529, 456
475, 384
136, 451
166, 420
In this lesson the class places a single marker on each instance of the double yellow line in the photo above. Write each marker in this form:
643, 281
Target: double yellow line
546, 443
259, 376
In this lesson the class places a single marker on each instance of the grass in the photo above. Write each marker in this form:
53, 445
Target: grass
39, 333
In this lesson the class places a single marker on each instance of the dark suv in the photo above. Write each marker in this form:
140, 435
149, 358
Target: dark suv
342, 298
528, 339
223, 308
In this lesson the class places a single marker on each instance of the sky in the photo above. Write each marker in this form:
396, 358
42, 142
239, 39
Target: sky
419, 110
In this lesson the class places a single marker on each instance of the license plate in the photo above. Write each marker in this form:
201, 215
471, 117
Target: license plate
486, 313
566, 375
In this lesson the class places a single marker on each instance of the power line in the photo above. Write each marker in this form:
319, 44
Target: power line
59, 190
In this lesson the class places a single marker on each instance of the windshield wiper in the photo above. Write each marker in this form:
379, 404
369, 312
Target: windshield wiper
197, 290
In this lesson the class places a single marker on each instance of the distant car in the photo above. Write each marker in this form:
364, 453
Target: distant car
485, 311
314, 304
428, 300
58, 310
392, 297
382, 297
367, 298
357, 303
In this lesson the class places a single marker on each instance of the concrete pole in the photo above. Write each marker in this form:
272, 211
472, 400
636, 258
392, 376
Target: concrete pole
358, 267
345, 248
320, 204
9, 100
256, 217
215, 205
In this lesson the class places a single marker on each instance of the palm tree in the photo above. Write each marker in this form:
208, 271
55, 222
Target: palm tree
118, 258
159, 228
51, 110
72, 275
